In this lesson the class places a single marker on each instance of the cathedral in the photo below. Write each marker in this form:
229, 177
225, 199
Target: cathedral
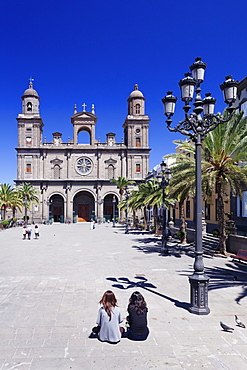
73, 179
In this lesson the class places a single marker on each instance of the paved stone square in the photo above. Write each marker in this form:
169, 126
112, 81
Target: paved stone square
50, 289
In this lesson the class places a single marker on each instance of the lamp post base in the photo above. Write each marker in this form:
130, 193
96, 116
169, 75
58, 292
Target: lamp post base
164, 247
199, 294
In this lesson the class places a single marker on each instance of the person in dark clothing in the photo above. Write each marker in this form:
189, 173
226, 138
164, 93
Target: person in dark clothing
137, 318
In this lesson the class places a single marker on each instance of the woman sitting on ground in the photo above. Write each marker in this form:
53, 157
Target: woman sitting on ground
109, 318
137, 318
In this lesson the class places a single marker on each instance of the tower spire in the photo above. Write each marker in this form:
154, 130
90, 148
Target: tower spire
31, 82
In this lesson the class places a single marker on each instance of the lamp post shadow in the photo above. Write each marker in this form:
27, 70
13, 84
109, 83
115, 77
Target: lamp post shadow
142, 283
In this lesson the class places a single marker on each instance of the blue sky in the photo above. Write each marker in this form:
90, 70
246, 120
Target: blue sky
95, 51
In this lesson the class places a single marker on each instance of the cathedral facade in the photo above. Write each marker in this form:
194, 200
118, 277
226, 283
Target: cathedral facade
73, 179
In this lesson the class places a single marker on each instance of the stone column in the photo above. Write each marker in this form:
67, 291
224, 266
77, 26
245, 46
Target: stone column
122, 157
98, 164
44, 165
19, 166
38, 166
43, 202
68, 205
99, 204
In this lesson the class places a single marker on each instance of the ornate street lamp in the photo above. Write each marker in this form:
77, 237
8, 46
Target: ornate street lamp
114, 209
163, 181
127, 193
196, 125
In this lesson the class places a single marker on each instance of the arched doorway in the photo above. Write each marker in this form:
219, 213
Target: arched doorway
110, 207
56, 208
83, 207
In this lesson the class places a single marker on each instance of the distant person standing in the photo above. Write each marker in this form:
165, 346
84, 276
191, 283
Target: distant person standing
24, 232
92, 225
29, 232
36, 231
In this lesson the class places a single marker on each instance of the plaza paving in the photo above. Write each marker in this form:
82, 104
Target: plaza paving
50, 289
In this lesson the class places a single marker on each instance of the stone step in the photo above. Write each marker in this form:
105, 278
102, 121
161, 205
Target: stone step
210, 242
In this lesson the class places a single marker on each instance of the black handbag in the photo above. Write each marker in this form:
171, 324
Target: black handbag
96, 329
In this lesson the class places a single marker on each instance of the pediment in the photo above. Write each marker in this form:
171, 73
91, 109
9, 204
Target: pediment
83, 117
110, 161
56, 161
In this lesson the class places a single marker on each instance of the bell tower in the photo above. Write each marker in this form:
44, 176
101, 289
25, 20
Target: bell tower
136, 124
29, 121
136, 130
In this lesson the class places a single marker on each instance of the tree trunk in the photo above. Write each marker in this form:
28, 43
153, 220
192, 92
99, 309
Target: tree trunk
4, 211
221, 219
182, 225
134, 217
156, 219
121, 212
145, 220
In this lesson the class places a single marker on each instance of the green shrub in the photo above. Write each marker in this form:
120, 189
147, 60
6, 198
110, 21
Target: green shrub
215, 232
5, 223
180, 234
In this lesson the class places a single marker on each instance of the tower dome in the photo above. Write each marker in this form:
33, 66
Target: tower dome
136, 93
30, 91
136, 103
30, 100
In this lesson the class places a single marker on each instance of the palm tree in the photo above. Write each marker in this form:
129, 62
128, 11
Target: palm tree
28, 194
7, 197
16, 203
223, 150
155, 199
121, 183
137, 199
182, 183
149, 194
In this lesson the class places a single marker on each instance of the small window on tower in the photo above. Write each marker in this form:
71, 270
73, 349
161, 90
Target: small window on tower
29, 107
28, 140
138, 141
28, 129
110, 171
56, 171
28, 167
138, 109
138, 168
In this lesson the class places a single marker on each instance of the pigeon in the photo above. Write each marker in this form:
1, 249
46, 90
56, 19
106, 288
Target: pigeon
225, 327
238, 322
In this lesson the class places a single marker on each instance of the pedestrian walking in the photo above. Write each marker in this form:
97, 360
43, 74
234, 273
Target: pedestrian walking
24, 232
29, 232
108, 320
36, 231
137, 319
92, 225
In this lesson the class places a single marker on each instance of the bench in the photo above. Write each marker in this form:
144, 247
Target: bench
241, 255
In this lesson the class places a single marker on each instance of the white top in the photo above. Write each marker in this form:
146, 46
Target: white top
109, 329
